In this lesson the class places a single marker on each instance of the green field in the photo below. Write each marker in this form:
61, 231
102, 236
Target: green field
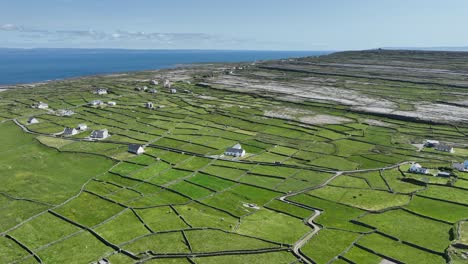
324, 178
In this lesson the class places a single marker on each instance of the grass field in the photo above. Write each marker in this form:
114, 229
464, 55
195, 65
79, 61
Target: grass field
69, 199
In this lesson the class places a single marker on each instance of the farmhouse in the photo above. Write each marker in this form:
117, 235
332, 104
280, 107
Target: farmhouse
173, 90
100, 91
42, 105
444, 148
153, 91
70, 131
461, 166
82, 127
111, 103
33, 120
64, 112
149, 105
100, 134
417, 168
431, 143
96, 103
235, 151
136, 149
167, 84
154, 82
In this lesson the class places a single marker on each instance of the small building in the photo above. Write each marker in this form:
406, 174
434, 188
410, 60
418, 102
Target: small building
100, 91
461, 166
42, 105
96, 103
82, 127
64, 112
154, 82
111, 103
100, 134
444, 148
235, 151
444, 174
70, 131
417, 168
33, 120
431, 143
136, 149
153, 91
173, 90
167, 84
149, 105
141, 88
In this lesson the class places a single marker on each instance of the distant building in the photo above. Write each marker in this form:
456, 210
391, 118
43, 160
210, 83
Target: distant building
100, 134
82, 127
167, 84
235, 151
461, 166
154, 82
111, 103
443, 174
444, 148
173, 90
417, 168
100, 91
141, 89
33, 120
64, 112
431, 143
70, 131
42, 105
96, 103
149, 105
153, 91
136, 149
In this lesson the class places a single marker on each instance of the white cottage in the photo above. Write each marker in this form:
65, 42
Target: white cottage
33, 120
417, 168
149, 105
96, 103
136, 149
70, 131
173, 90
100, 91
235, 151
111, 103
42, 105
82, 127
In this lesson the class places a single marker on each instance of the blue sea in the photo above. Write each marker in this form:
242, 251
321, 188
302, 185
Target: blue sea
35, 65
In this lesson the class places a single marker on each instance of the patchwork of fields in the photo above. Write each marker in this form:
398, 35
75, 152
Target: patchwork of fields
72, 200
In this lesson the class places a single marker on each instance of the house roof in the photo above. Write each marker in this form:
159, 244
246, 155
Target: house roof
69, 131
237, 146
443, 147
134, 147
234, 150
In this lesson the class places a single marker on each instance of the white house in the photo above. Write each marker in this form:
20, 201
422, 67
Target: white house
173, 90
42, 105
100, 91
64, 112
431, 143
111, 103
70, 131
136, 149
235, 151
153, 91
33, 120
167, 84
96, 103
149, 105
82, 127
100, 134
417, 168
154, 82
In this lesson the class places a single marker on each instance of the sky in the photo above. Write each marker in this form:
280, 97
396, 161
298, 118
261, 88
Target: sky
233, 25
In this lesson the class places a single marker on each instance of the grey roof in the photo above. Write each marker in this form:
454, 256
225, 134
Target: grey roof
234, 150
443, 147
99, 133
134, 148
69, 131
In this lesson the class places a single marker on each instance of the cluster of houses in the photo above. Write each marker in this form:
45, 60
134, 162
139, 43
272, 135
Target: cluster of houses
166, 83
416, 168
64, 112
101, 103
461, 166
438, 146
100, 91
41, 105
71, 131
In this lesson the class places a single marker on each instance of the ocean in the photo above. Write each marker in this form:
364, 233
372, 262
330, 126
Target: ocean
36, 65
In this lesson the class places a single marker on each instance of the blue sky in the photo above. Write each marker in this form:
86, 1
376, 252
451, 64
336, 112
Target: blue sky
239, 24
